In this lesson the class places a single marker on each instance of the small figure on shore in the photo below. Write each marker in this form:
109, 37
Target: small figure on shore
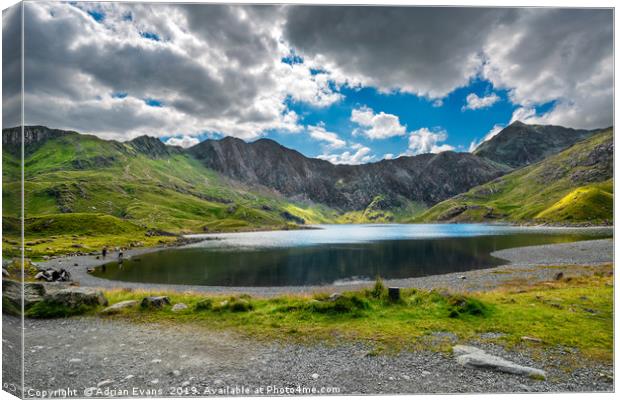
120, 257
104, 251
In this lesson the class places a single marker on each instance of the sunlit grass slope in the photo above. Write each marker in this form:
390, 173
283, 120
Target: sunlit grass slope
574, 186
82, 185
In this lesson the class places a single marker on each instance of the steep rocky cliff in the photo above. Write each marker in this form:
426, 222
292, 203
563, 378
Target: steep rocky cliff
426, 178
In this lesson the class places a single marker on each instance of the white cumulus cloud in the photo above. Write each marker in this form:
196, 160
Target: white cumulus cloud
425, 140
318, 132
377, 126
359, 154
474, 102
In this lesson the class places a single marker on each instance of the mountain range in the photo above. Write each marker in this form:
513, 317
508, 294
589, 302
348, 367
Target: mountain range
80, 183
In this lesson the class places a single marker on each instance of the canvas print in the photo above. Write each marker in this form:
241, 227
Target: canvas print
225, 199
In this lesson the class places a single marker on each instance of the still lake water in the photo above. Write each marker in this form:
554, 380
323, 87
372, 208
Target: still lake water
336, 254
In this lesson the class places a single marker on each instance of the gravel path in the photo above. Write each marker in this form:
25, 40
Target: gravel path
82, 353
523, 263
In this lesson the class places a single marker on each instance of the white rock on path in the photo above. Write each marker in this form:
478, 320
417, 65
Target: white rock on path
474, 357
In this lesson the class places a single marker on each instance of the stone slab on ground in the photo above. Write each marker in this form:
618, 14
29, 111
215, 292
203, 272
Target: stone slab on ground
470, 356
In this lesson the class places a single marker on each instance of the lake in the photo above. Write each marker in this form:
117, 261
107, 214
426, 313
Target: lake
336, 254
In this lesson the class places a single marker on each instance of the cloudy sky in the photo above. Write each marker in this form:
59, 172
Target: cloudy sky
347, 84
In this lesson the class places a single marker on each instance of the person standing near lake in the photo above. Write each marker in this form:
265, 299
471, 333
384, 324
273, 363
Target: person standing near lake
104, 251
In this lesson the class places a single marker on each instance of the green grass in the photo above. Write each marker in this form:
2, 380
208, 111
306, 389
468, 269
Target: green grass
106, 192
564, 188
582, 204
573, 312
52, 310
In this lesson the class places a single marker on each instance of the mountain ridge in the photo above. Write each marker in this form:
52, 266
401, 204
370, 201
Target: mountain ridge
519, 144
346, 186
424, 179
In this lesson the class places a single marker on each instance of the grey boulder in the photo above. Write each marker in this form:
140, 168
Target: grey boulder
32, 292
74, 297
155, 302
117, 307
474, 357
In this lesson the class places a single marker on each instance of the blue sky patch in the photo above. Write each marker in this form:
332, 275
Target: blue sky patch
292, 59
413, 111
153, 102
98, 16
150, 36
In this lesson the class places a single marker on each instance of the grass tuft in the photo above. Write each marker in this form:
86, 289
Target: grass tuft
379, 290
461, 305
204, 305
46, 309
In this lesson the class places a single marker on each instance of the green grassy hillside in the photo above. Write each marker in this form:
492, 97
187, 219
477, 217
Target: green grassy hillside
80, 189
574, 186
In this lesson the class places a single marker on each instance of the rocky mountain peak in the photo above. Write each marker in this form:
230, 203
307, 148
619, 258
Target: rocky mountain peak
520, 144
34, 137
152, 147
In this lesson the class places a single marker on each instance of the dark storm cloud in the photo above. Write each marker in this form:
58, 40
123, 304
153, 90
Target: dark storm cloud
11, 66
237, 30
429, 51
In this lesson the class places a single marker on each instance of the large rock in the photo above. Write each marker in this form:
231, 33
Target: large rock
12, 292
115, 308
74, 297
474, 357
155, 302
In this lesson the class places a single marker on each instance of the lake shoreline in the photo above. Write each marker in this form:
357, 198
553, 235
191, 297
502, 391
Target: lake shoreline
589, 253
